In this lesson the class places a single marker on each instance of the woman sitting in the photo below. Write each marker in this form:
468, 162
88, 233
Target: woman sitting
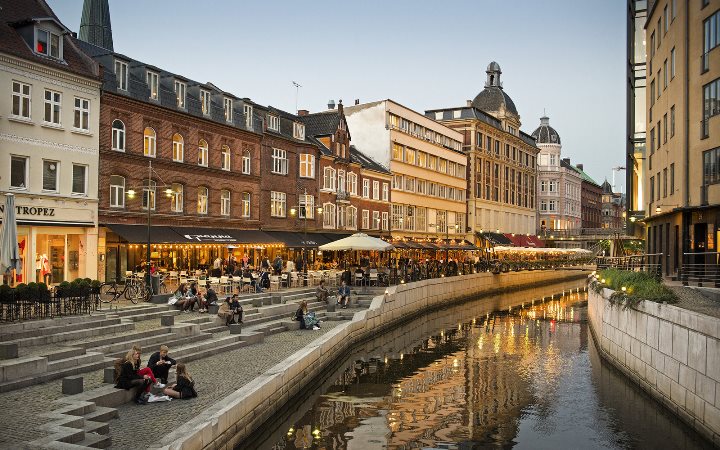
130, 376
183, 299
198, 297
308, 320
185, 386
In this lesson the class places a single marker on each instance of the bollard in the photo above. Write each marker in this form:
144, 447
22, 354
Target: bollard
167, 320
109, 375
257, 302
331, 306
72, 385
235, 328
276, 299
213, 309
8, 350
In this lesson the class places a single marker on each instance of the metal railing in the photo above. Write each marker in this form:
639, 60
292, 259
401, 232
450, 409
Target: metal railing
549, 233
649, 262
701, 268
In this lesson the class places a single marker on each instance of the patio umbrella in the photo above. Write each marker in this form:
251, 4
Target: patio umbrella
9, 251
358, 241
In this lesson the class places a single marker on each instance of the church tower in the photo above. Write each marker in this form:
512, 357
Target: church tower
95, 25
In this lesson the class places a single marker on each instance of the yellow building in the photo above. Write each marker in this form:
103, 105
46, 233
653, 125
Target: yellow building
682, 171
428, 192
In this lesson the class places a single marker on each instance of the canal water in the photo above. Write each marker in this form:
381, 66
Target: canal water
478, 375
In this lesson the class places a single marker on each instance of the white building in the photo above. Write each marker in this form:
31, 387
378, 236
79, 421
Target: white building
49, 118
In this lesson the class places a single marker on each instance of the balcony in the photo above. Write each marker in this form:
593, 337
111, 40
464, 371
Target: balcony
343, 196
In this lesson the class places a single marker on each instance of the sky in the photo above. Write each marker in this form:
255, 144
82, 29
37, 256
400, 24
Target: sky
563, 57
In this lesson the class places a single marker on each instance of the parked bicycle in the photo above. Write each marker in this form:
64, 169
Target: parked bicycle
134, 290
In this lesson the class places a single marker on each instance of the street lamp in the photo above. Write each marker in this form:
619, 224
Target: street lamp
302, 209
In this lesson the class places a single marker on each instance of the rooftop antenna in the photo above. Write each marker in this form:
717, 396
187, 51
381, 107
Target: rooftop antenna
297, 91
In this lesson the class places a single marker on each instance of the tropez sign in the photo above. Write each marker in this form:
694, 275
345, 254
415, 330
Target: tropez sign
31, 211
209, 237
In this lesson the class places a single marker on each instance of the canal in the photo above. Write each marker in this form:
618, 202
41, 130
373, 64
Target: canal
473, 376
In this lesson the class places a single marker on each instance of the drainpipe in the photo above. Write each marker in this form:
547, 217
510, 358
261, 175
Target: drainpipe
686, 217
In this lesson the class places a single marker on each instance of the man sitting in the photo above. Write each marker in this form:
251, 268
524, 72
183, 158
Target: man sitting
344, 295
321, 292
160, 364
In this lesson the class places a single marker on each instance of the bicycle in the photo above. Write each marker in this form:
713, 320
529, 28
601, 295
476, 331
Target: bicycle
133, 290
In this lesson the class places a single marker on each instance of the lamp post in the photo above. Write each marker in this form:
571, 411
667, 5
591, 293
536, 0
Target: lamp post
303, 210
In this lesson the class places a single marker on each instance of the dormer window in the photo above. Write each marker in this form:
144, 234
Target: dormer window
273, 122
228, 107
48, 43
205, 101
152, 82
248, 111
299, 131
121, 74
180, 90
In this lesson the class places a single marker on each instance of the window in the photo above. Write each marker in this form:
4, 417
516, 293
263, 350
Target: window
432, 162
273, 123
50, 175
246, 162
421, 159
228, 109
178, 148
21, 98
149, 191
79, 179
341, 181
711, 100
672, 121
397, 152
409, 221
397, 217
118, 135
711, 166
149, 143
652, 92
202, 200
665, 129
121, 75
365, 219
665, 74
152, 82
672, 63
351, 218
245, 204
225, 155
712, 37
352, 183
341, 216
652, 141
665, 182
224, 202
203, 153
277, 204
329, 179
306, 203
53, 104
376, 189
421, 219
553, 186
543, 186
441, 222
410, 184
248, 112
48, 43
666, 18
442, 191
674, 8
279, 161
452, 168
81, 120
117, 191
385, 191
442, 166
552, 205
205, 101
432, 189
385, 220
307, 165
298, 131
329, 216
410, 156
652, 189
657, 178
376, 220
176, 197
397, 182
366, 188
672, 178
180, 93
543, 205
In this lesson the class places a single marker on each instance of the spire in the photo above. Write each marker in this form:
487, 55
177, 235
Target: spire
493, 75
95, 25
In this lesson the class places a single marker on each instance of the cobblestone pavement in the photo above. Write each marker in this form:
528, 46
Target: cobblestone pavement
693, 300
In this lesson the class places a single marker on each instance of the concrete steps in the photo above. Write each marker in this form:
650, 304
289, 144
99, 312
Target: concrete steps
94, 330
171, 340
52, 330
12, 331
74, 361
45, 376
149, 315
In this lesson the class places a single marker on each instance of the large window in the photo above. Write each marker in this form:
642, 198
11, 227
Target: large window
245, 204
48, 43
341, 181
53, 107
178, 145
225, 155
397, 152
711, 101
117, 191
307, 165
352, 183
149, 142
421, 219
278, 203
365, 219
248, 112
118, 135
205, 101
228, 109
279, 161
153, 84
329, 179
81, 119
273, 123
409, 218
224, 202
351, 218
202, 200
397, 217
121, 75
246, 162
376, 220
341, 212
711, 166
385, 221
203, 153
441, 222
149, 191
366, 188
299, 131
376, 189
306, 203
180, 93
50, 175
385, 191
711, 37
176, 197
79, 179
21, 99
329, 215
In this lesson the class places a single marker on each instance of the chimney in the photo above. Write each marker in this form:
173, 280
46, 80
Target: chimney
340, 106
579, 166
566, 160
357, 101
469, 102
303, 112
331, 104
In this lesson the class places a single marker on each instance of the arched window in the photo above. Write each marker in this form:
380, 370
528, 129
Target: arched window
117, 191
246, 162
328, 215
225, 157
246, 204
202, 153
341, 181
224, 202
202, 202
178, 148
329, 179
149, 141
118, 135
176, 197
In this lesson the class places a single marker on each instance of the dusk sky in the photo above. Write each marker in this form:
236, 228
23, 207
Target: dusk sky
564, 56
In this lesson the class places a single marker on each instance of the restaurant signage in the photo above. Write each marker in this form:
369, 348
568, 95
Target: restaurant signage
31, 211
209, 237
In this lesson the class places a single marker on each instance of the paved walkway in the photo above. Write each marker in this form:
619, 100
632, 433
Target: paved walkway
693, 299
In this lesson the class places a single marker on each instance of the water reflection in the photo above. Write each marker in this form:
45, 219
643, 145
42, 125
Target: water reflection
466, 378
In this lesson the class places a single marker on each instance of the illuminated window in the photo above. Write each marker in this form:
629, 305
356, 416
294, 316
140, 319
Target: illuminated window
149, 142
153, 83
118, 135
203, 153
178, 145
225, 155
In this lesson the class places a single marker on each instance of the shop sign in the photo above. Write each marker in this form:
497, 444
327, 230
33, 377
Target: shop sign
31, 211
308, 242
209, 237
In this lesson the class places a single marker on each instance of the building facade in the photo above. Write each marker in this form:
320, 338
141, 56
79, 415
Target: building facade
559, 193
682, 195
590, 200
428, 189
501, 160
49, 121
613, 208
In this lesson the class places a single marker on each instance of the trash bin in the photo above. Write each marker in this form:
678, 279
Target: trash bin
155, 283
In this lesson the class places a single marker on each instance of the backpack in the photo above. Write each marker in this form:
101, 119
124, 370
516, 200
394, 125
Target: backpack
118, 367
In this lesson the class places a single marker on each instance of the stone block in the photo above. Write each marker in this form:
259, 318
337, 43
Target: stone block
276, 299
72, 385
677, 393
705, 388
235, 328
652, 331
680, 344
712, 418
665, 337
663, 384
331, 306
713, 359
257, 302
8, 350
687, 378
109, 375
672, 368
213, 309
697, 351
167, 320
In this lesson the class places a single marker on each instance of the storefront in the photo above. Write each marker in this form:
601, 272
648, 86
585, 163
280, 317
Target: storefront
57, 239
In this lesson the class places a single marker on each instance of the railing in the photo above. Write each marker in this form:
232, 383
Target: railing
650, 263
14, 307
551, 234
701, 268
343, 196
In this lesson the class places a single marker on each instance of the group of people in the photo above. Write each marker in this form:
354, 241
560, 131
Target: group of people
129, 375
343, 295
186, 297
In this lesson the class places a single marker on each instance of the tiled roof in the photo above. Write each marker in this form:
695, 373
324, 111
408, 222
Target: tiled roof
15, 14
365, 161
585, 176
322, 123
492, 98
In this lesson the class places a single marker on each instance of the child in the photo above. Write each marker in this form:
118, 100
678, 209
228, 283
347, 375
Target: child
185, 386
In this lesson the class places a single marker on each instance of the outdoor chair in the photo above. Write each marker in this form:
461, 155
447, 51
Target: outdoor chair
274, 281
359, 278
246, 285
373, 280
294, 280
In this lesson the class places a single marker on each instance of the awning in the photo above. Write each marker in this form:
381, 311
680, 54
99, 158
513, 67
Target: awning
453, 244
137, 234
299, 240
495, 238
160, 234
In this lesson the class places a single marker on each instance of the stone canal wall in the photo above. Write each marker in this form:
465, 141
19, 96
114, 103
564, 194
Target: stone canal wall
224, 425
672, 353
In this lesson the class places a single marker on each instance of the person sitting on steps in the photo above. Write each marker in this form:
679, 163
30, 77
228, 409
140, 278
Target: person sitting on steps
184, 301
185, 386
226, 313
160, 363
344, 295
130, 376
321, 292
236, 309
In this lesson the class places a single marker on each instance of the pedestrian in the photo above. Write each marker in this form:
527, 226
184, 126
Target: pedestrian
277, 265
160, 363
184, 388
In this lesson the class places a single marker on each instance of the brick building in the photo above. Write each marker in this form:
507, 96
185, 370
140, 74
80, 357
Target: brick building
591, 199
